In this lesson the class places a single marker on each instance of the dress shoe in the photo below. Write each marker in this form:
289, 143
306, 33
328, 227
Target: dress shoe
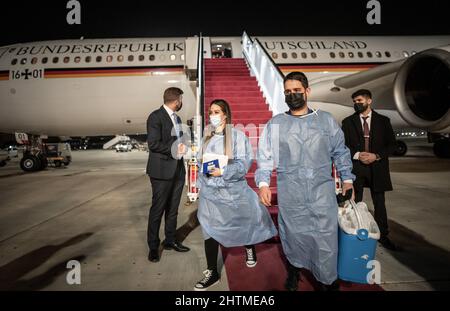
153, 256
388, 244
177, 246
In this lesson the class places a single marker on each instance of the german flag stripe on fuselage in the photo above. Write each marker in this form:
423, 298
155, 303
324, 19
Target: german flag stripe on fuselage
111, 72
4, 75
336, 67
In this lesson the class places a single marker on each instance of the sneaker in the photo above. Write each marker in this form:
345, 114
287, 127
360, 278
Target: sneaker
250, 259
211, 278
291, 283
333, 287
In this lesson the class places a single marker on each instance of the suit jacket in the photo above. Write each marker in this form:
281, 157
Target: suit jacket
382, 142
161, 164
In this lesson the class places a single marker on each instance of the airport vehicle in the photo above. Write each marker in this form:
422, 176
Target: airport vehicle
13, 151
55, 154
408, 77
123, 146
58, 154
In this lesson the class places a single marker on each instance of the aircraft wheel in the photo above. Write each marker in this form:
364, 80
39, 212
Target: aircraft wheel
441, 148
400, 148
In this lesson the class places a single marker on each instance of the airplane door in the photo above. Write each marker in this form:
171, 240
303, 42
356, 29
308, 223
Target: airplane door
221, 50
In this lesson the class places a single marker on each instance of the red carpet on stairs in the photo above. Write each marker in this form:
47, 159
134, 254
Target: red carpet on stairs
229, 79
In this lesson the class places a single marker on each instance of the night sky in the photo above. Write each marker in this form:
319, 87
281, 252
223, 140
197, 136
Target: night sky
24, 21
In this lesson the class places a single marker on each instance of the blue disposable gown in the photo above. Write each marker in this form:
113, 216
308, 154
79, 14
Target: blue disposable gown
302, 150
229, 210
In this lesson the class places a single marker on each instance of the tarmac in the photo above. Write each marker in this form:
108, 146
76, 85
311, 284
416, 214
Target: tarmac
95, 211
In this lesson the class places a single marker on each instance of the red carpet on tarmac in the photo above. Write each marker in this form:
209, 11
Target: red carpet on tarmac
229, 79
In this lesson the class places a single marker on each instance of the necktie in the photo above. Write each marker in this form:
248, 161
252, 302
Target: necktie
366, 134
177, 127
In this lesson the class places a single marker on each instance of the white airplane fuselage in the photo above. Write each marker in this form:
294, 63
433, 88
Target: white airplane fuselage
109, 86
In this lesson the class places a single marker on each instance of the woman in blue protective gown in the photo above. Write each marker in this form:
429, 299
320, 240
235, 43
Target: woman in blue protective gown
229, 210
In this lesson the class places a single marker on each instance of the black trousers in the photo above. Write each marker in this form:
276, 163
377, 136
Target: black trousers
166, 196
364, 178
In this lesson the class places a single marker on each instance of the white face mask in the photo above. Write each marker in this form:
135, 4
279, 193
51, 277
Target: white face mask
215, 120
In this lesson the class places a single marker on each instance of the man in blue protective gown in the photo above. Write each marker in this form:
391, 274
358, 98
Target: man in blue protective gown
301, 144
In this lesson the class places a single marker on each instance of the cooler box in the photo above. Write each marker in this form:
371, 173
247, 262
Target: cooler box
358, 235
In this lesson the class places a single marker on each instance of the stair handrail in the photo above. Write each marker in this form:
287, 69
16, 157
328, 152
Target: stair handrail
200, 111
269, 77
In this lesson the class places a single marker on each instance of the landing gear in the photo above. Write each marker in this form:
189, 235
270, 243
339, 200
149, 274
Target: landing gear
400, 148
441, 148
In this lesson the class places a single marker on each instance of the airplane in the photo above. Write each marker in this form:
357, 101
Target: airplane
90, 87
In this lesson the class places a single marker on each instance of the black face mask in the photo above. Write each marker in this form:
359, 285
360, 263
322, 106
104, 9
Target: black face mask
179, 106
295, 100
360, 107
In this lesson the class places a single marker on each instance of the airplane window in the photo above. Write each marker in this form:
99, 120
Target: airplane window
88, 59
332, 54
14, 61
274, 55
45, 60
66, 59
360, 55
141, 58
120, 58
413, 52
162, 57
304, 55
284, 55
294, 55
152, 57
77, 59
173, 57
34, 60
378, 53
23, 61
313, 54
341, 54
405, 54
388, 54
369, 54
130, 58
109, 58
55, 60
98, 59
351, 55
182, 56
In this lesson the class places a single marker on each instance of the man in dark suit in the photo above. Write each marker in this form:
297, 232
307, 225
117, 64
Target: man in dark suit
370, 138
165, 168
